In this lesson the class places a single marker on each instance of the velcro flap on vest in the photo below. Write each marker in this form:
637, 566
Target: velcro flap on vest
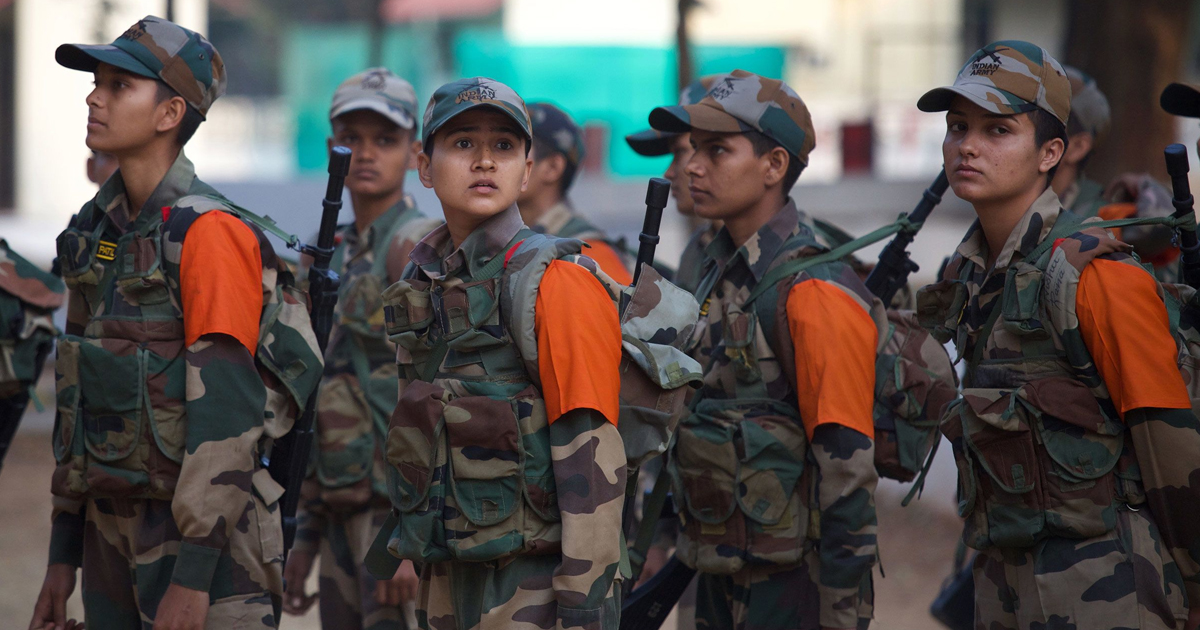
656, 321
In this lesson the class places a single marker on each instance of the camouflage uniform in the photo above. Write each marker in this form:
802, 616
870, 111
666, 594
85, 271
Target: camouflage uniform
158, 479
1053, 483
515, 520
28, 298
347, 498
781, 527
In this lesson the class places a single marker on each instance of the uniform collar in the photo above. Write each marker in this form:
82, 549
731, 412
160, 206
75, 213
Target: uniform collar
113, 201
433, 253
1033, 227
762, 247
381, 226
1082, 191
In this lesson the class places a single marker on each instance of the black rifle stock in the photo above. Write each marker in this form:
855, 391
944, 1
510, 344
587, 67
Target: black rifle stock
289, 455
1189, 246
656, 199
891, 272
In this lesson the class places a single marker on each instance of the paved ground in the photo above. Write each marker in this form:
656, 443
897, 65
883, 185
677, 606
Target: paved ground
917, 542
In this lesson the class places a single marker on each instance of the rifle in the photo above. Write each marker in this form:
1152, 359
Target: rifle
647, 607
1189, 246
288, 461
891, 272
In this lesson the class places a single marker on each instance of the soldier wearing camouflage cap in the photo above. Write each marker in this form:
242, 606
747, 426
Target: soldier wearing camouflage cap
1074, 424
374, 113
508, 470
557, 155
167, 396
774, 470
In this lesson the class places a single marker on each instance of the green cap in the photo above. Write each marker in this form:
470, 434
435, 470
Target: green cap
743, 101
158, 49
1181, 99
459, 96
653, 142
1007, 77
1089, 106
555, 128
380, 91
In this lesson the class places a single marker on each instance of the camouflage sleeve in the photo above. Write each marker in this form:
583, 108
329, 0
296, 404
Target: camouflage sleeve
846, 497
1166, 442
67, 517
588, 458
225, 402
310, 518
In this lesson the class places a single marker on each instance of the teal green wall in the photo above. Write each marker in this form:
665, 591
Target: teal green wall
610, 86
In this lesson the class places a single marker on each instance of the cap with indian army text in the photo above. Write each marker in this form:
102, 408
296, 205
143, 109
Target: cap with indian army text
653, 142
557, 130
1181, 99
158, 49
1089, 106
459, 96
378, 90
743, 101
1007, 77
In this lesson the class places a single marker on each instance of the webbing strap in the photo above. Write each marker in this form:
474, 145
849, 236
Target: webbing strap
651, 511
262, 222
791, 268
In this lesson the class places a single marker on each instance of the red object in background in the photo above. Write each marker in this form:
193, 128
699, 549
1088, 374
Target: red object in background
595, 148
400, 11
858, 144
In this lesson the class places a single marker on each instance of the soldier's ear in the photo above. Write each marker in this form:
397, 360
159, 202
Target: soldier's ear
777, 160
1050, 154
170, 113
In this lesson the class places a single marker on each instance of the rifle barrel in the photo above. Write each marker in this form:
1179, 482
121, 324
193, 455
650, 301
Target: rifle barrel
656, 199
1177, 167
894, 266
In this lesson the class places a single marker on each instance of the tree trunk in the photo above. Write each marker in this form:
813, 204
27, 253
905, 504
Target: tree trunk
1133, 49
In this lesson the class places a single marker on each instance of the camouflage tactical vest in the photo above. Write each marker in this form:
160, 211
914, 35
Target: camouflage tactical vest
122, 422
348, 444
469, 439
28, 299
1040, 447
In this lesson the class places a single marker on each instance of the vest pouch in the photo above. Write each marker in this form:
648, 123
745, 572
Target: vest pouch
140, 276
940, 306
77, 257
999, 437
704, 468
772, 447
1020, 301
112, 382
476, 306
415, 451
486, 478
345, 435
1080, 449
739, 333
361, 303
407, 313
69, 453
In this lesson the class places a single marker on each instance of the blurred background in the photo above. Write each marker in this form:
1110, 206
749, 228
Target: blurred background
860, 65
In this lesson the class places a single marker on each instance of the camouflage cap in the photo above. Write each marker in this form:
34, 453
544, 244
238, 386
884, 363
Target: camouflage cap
380, 91
653, 142
1007, 77
1181, 99
1089, 106
158, 49
459, 96
743, 101
556, 129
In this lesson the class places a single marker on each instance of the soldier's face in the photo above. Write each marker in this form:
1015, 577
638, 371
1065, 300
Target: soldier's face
382, 152
123, 111
681, 152
725, 177
479, 166
991, 158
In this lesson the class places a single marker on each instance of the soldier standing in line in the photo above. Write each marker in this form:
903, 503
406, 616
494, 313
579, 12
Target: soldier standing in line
166, 398
1074, 435
557, 155
509, 472
374, 113
774, 470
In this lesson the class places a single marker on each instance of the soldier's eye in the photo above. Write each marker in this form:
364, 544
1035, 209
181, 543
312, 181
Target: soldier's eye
504, 145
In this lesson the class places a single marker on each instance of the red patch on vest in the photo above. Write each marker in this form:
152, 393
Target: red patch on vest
1057, 242
166, 210
510, 253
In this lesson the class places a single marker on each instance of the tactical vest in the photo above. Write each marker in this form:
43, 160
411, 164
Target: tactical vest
28, 299
121, 422
1040, 448
469, 439
343, 466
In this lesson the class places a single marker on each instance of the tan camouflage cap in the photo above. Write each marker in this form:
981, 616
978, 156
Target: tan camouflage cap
158, 49
1007, 77
743, 101
1089, 106
459, 96
380, 91
653, 142
1181, 99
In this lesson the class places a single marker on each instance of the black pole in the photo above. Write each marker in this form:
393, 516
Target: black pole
894, 266
1177, 167
656, 199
